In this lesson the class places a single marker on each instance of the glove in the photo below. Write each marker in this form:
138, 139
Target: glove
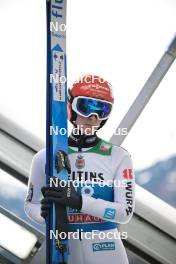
65, 196
45, 207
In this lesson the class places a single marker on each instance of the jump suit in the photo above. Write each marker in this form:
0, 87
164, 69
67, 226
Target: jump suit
105, 178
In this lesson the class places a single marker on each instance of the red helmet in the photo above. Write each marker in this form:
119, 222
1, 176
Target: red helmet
89, 86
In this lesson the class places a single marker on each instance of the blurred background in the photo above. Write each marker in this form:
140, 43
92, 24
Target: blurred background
121, 41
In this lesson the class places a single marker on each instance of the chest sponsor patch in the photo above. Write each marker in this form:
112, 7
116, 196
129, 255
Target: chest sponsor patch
129, 198
88, 190
105, 147
109, 213
86, 176
127, 174
80, 162
83, 218
103, 246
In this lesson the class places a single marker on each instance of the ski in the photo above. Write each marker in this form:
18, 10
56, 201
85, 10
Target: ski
56, 127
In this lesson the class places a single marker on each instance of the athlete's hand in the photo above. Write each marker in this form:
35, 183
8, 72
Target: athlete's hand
45, 207
66, 196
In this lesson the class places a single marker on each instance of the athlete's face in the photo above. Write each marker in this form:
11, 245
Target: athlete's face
88, 124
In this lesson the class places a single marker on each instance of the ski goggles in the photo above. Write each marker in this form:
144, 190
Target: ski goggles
87, 106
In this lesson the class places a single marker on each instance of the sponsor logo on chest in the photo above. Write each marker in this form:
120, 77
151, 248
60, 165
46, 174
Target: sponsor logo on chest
129, 198
103, 246
83, 218
109, 213
80, 162
128, 174
86, 176
104, 147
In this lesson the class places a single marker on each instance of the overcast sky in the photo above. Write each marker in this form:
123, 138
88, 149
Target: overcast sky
120, 40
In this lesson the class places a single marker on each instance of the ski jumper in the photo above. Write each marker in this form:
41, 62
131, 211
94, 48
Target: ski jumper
106, 181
